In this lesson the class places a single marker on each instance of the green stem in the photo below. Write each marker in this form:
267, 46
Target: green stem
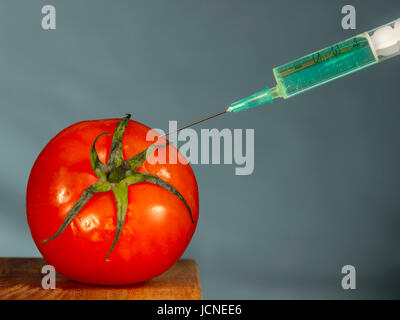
116, 157
121, 196
98, 167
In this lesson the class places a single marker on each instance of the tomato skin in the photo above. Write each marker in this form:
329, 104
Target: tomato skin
157, 227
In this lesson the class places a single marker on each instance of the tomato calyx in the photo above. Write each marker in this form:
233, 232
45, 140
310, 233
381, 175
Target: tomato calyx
116, 176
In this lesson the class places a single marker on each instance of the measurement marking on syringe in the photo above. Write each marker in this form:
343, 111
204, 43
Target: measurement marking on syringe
318, 58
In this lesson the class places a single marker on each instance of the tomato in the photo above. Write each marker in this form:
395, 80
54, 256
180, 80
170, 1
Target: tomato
101, 213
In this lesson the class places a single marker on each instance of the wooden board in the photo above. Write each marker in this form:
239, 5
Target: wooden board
20, 279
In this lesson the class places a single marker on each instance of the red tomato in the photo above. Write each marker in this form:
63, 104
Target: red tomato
157, 227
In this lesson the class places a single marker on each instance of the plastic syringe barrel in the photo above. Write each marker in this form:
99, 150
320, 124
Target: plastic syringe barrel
338, 60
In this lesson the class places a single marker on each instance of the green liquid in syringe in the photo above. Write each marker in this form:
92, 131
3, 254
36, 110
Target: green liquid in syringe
323, 66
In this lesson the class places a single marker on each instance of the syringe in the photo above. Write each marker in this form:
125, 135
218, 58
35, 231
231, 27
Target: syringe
323, 66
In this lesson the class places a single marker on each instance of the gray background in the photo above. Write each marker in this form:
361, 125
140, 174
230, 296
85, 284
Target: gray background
325, 190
